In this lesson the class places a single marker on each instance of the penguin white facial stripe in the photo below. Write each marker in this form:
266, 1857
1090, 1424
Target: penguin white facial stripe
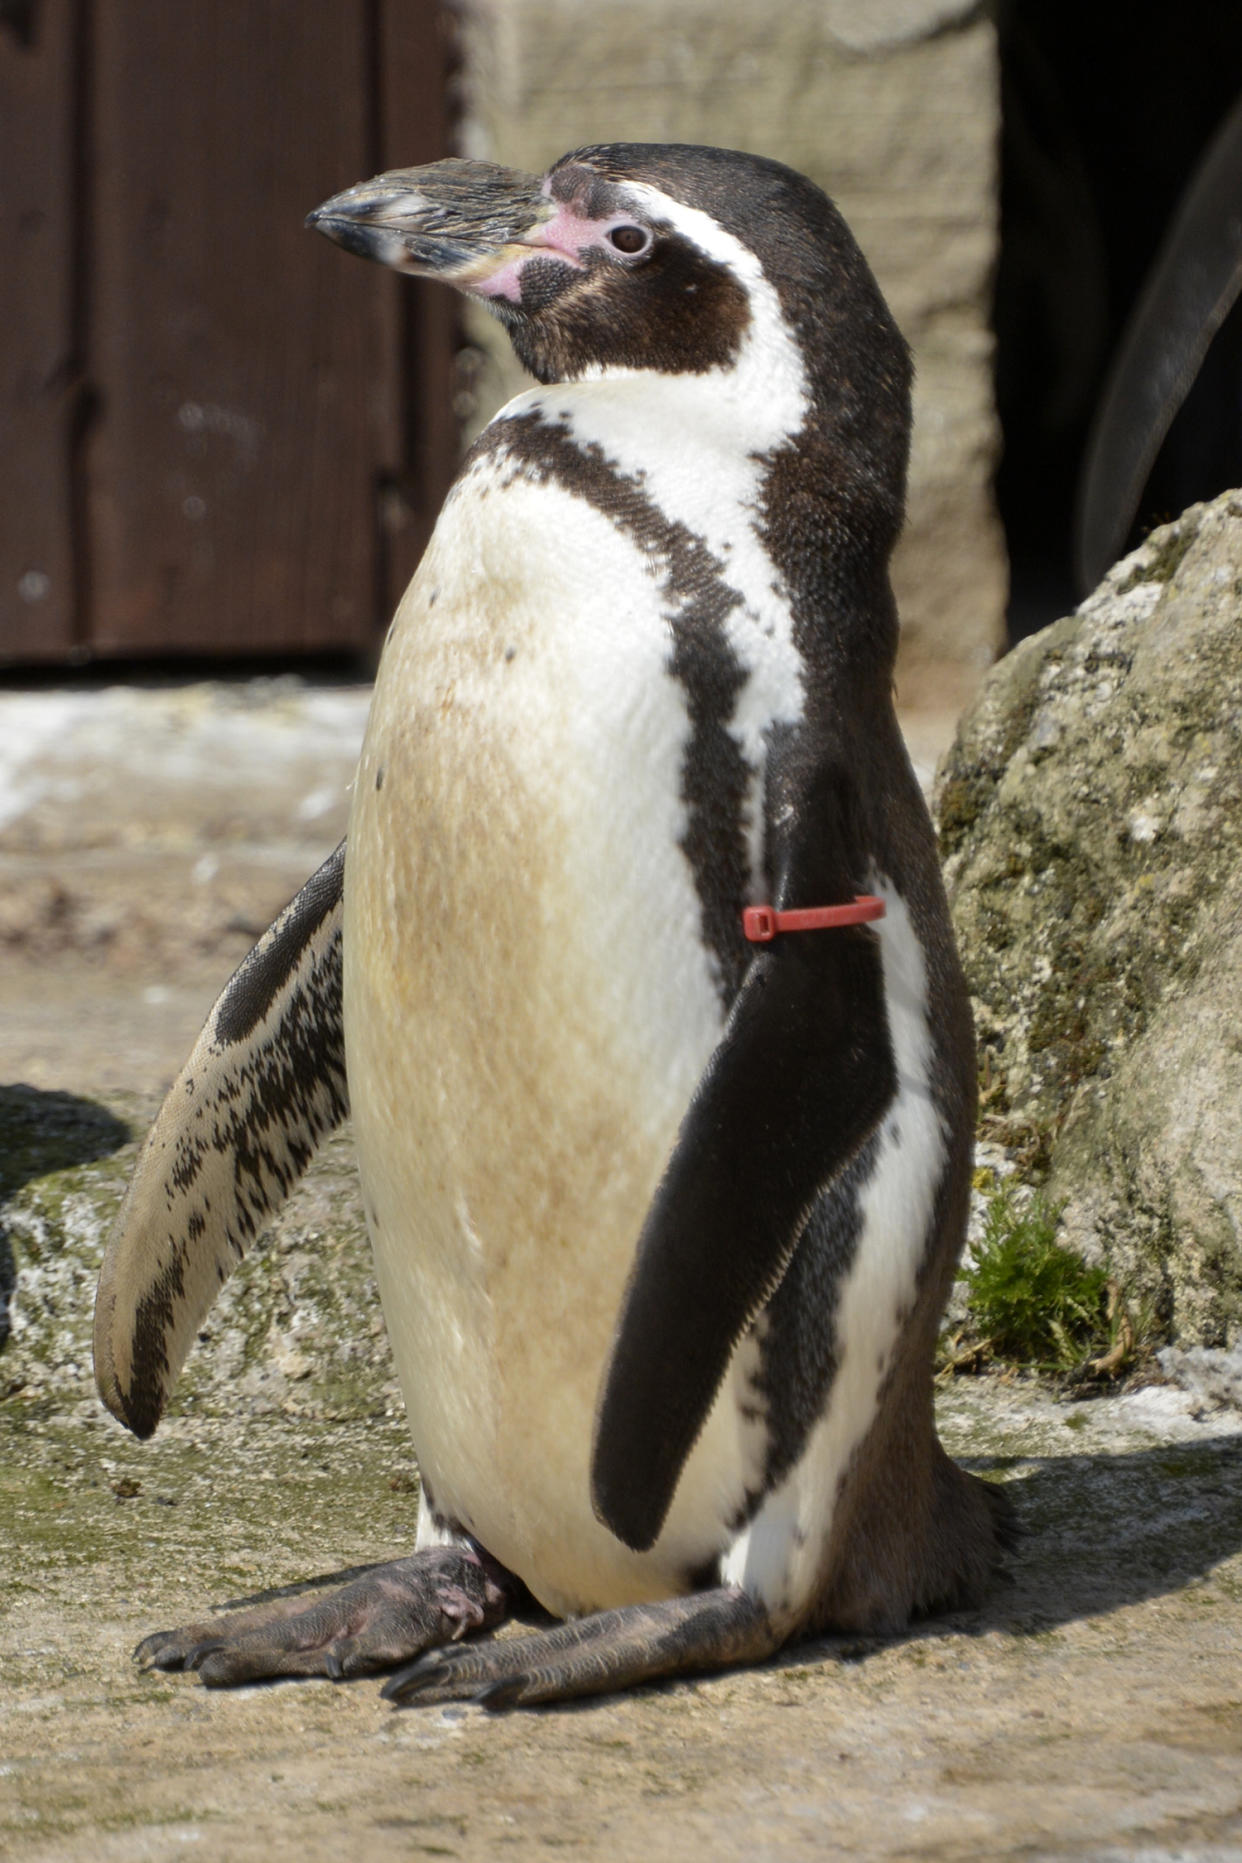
761, 394
264, 1084
712, 239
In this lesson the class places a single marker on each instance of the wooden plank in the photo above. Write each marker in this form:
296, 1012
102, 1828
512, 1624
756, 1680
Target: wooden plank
37, 377
415, 61
230, 477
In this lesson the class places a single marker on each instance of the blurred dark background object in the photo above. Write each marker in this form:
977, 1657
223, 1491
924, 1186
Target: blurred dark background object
215, 439
1190, 293
1107, 111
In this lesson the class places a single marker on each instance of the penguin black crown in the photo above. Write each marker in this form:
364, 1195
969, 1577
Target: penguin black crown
663, 1218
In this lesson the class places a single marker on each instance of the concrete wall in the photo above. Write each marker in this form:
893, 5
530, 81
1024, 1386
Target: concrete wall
892, 106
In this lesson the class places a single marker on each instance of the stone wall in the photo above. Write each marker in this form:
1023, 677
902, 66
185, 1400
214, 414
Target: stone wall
892, 106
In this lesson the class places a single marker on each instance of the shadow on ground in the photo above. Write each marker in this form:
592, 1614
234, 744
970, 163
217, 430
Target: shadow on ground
1103, 1530
1099, 1531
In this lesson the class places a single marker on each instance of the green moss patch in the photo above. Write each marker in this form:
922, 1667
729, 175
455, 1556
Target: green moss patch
1032, 1301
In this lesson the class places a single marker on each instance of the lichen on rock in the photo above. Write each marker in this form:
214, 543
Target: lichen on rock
1091, 819
61, 1177
297, 1330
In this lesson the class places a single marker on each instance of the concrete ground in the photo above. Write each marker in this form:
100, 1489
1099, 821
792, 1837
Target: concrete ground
1093, 1710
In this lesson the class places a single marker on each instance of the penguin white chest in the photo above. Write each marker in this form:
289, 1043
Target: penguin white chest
529, 1005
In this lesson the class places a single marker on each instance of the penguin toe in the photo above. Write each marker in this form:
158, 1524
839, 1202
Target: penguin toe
163, 1649
384, 1617
595, 1655
494, 1675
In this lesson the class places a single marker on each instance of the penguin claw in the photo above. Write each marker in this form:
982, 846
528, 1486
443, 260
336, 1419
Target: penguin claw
426, 1672
460, 1675
161, 1650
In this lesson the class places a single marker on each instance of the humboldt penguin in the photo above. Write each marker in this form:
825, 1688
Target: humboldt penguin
638, 967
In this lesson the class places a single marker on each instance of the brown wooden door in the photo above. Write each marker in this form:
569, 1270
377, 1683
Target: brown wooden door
39, 385
218, 434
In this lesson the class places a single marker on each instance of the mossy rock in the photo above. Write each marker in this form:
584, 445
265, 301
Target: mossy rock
1091, 818
297, 1330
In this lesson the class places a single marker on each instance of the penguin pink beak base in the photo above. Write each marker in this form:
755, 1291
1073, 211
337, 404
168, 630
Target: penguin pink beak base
488, 231
635, 974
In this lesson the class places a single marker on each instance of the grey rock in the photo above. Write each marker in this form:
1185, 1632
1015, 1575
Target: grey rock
297, 1331
1091, 818
1207, 1372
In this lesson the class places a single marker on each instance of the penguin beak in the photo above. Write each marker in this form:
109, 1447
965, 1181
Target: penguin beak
470, 224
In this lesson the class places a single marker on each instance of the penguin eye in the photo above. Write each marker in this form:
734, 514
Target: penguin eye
629, 239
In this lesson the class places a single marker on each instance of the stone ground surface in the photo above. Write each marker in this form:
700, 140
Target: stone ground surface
1092, 1710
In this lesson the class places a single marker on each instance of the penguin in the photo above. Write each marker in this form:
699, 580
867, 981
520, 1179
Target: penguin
635, 972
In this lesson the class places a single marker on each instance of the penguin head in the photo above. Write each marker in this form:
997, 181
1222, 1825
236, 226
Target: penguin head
585, 271
627, 256
678, 260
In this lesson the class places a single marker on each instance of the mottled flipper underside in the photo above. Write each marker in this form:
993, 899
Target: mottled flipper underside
263, 1086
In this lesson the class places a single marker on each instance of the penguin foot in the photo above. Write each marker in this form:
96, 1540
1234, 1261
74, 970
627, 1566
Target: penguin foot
594, 1655
381, 1618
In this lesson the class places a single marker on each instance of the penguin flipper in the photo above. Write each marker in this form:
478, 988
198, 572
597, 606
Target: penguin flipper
263, 1085
801, 1078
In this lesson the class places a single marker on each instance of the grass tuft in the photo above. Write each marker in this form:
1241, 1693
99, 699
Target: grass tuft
1036, 1303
